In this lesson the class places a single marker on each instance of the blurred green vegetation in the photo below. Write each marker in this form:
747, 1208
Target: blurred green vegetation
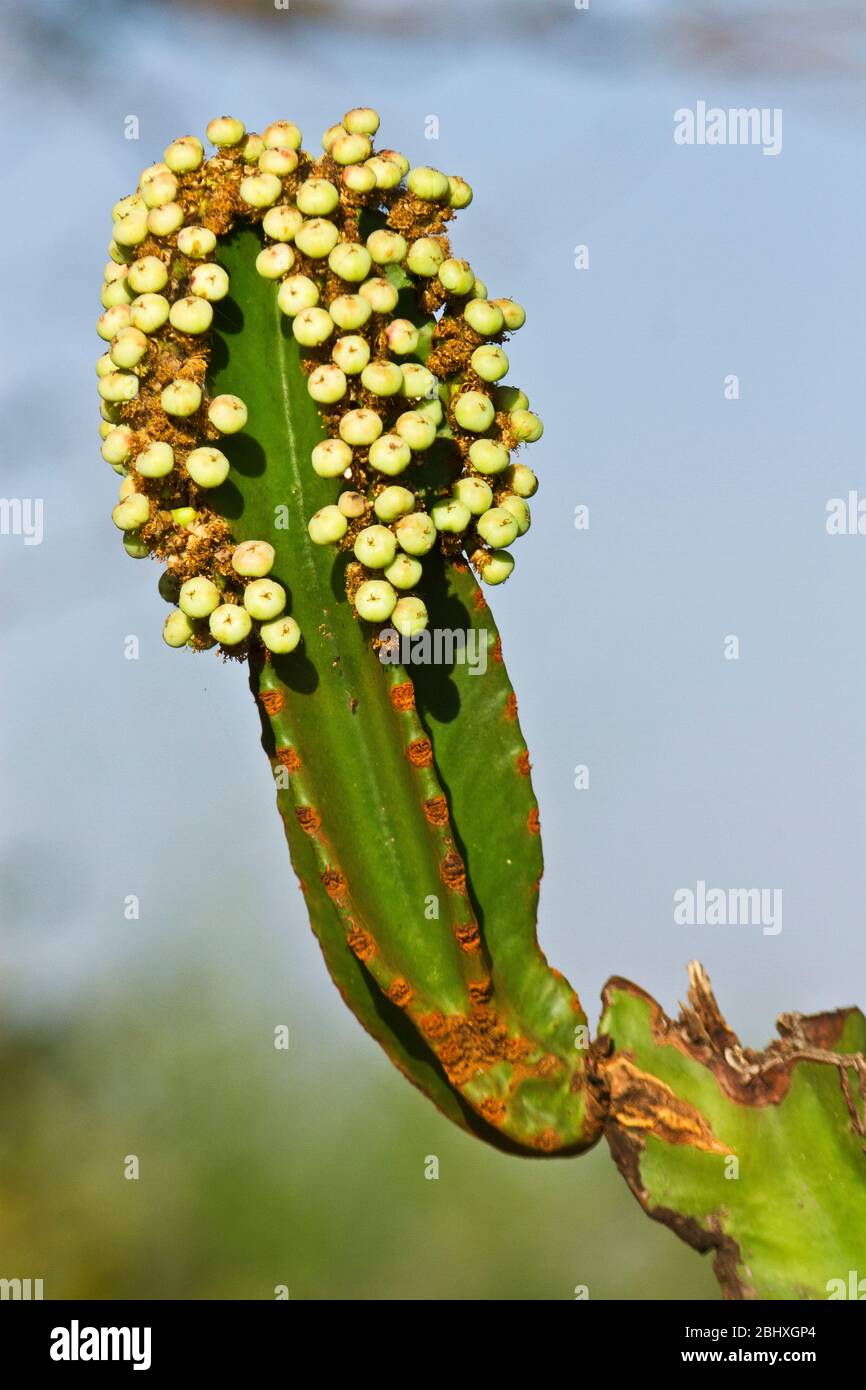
261, 1167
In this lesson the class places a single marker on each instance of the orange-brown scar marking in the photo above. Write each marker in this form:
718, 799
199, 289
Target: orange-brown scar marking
401, 993
335, 883
481, 991
436, 810
432, 1025
289, 759
361, 943
308, 819
523, 764
496, 651
493, 1110
533, 822
467, 1045
403, 695
511, 706
547, 1140
479, 602
453, 872
272, 701
468, 937
420, 753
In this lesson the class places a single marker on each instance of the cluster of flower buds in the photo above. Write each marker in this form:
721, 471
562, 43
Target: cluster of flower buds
402, 350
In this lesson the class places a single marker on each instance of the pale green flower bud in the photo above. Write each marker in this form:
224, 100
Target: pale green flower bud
416, 533
135, 547
380, 294
351, 354
375, 547
375, 600
112, 271
132, 512
230, 624
517, 508
264, 599
418, 432
527, 427
196, 242
281, 636
327, 384
401, 336
199, 597
260, 190
327, 526
147, 275
510, 398
165, 220
132, 229
361, 120
457, 277
404, 572
225, 131
133, 202
110, 412
486, 318
117, 292
149, 312
177, 629
488, 456
282, 222
350, 311
159, 190
386, 172
386, 248
459, 192
521, 480
317, 197
282, 135
253, 559
317, 238
104, 365
109, 324
409, 616
126, 489
207, 467
480, 289
494, 567
383, 378
296, 294
390, 455
278, 162
128, 347
360, 427
331, 458
514, 314
227, 413
181, 398
275, 261
474, 411
185, 517
209, 281
431, 410
118, 387
428, 184
156, 461
396, 158
184, 155
418, 382
312, 327
350, 149
350, 261
450, 515
191, 315
474, 494
424, 257
393, 502
331, 135
358, 178
352, 505
497, 527
117, 445
489, 362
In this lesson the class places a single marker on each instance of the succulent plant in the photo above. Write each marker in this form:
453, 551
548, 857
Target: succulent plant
303, 391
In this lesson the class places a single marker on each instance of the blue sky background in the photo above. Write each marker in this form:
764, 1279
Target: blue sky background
707, 517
